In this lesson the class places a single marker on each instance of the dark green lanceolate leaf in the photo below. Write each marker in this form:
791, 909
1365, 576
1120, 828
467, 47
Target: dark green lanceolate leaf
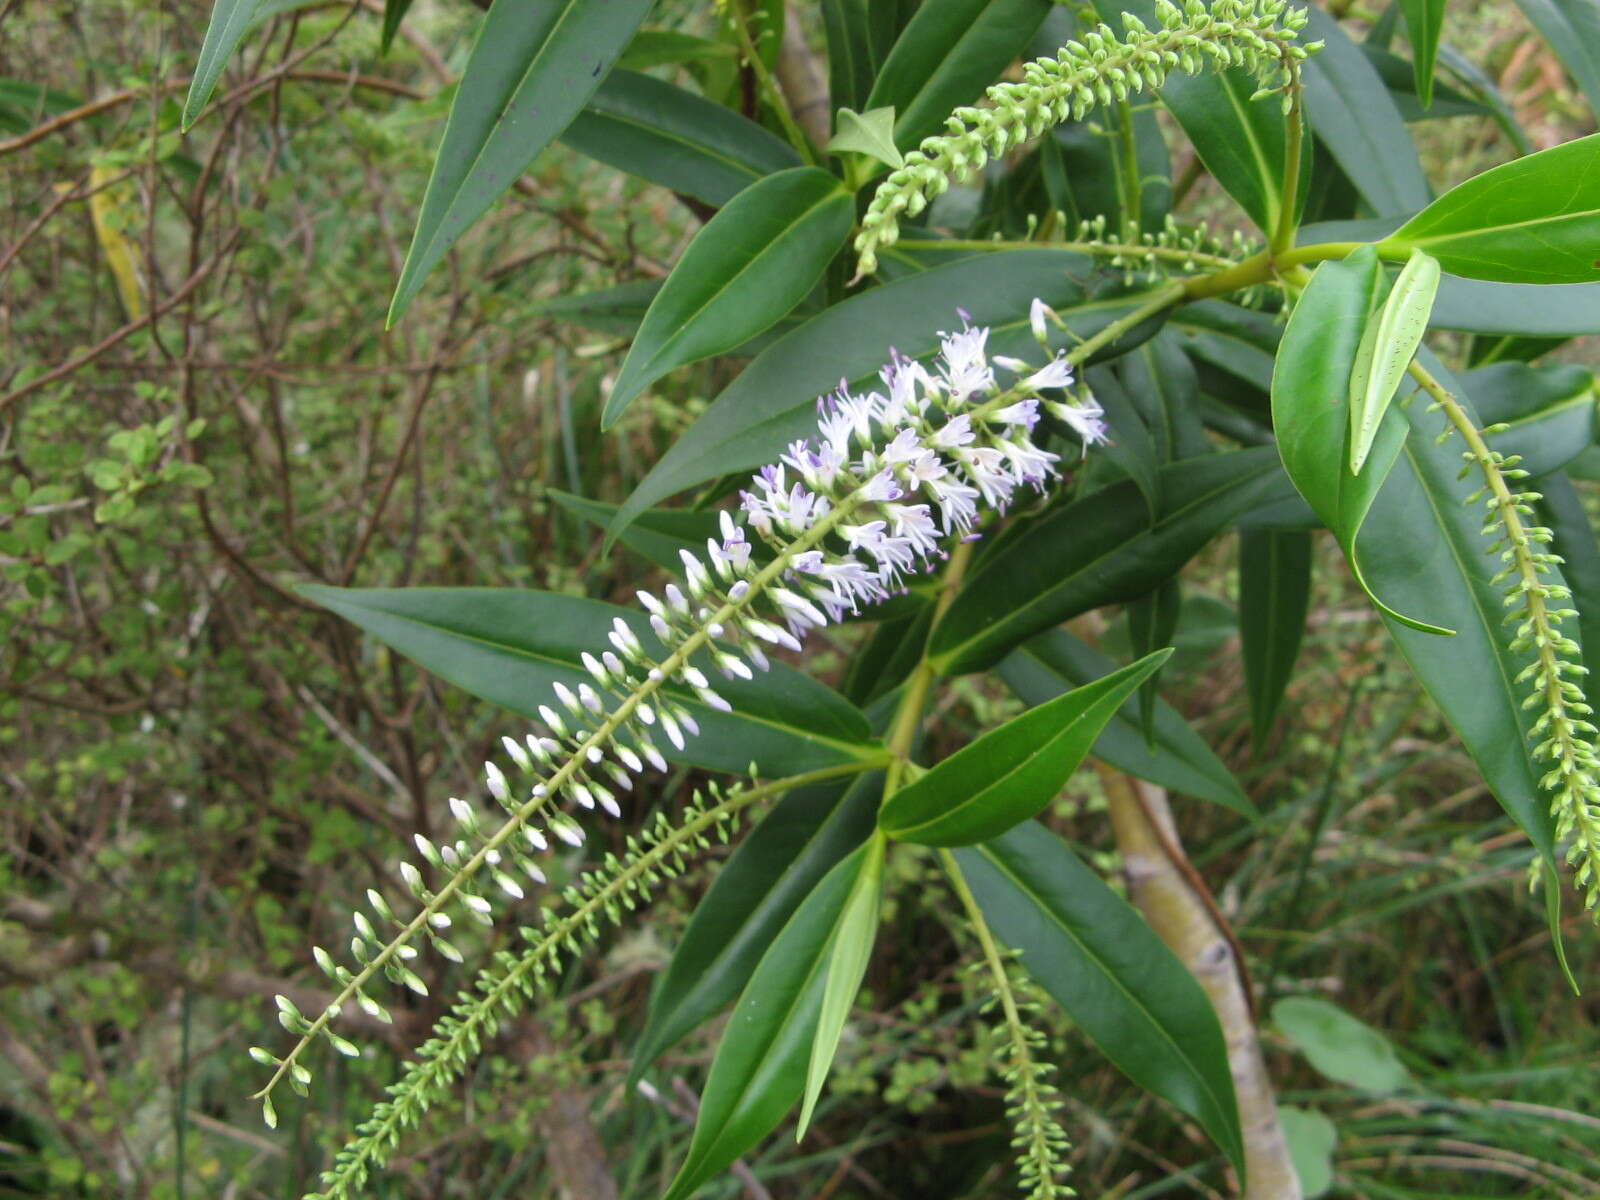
760, 1067
1310, 406
1397, 75
1351, 112
394, 12
508, 646
1152, 621
670, 136
775, 866
229, 20
1519, 309
532, 69
1572, 28
620, 310
946, 55
1177, 759
1234, 340
1432, 557
664, 47
773, 401
1339, 1046
1550, 412
850, 65
890, 655
1274, 594
1424, 19
1012, 773
747, 269
1162, 383
1561, 510
1534, 220
1101, 549
1130, 444
1097, 958
658, 534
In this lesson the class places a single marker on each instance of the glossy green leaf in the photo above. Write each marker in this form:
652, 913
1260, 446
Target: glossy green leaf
946, 55
1274, 595
1177, 758
1098, 550
531, 71
1310, 399
670, 136
1550, 412
1387, 347
772, 869
1130, 444
1572, 29
620, 310
507, 646
847, 965
1533, 220
1012, 773
1089, 949
659, 534
1353, 116
745, 270
774, 400
1433, 557
850, 65
1152, 623
889, 656
1312, 1139
1162, 382
229, 20
1424, 19
1523, 309
665, 47
760, 1067
1339, 1046
1399, 77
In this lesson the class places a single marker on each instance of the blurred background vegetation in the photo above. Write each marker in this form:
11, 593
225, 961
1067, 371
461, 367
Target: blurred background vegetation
199, 408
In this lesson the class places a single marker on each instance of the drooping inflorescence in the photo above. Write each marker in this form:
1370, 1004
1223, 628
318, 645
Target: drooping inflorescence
850, 516
1103, 67
1537, 605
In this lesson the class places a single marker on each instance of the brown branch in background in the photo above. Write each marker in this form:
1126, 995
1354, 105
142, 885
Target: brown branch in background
572, 1148
803, 80
1168, 891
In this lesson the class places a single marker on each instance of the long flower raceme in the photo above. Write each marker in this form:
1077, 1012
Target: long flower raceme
891, 477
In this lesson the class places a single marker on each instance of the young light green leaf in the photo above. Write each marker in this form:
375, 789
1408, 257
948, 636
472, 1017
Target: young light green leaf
760, 1068
870, 133
744, 271
772, 869
229, 20
1310, 393
1532, 220
1099, 959
1382, 362
847, 964
1274, 594
1339, 1046
1011, 773
532, 69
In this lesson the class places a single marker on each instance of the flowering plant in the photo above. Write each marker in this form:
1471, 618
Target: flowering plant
1125, 388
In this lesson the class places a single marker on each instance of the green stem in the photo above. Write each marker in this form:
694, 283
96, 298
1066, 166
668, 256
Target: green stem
1125, 158
770, 91
1293, 146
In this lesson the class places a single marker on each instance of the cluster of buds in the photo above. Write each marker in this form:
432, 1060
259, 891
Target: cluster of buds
849, 516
